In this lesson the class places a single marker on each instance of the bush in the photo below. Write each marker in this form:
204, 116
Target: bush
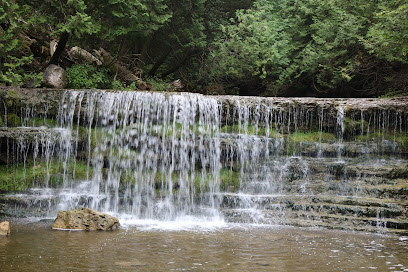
86, 76
157, 83
15, 75
117, 85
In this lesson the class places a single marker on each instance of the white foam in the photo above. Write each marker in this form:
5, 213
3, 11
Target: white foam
185, 223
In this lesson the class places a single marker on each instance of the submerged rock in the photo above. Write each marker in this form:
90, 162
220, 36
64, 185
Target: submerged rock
5, 228
85, 219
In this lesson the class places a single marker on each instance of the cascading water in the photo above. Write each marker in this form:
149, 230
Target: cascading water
152, 156
167, 156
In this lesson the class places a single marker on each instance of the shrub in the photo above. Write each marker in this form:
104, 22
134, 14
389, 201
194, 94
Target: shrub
15, 75
86, 76
157, 83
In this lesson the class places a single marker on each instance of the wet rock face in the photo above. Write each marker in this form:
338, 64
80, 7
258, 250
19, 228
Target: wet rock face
85, 219
335, 163
4, 229
54, 77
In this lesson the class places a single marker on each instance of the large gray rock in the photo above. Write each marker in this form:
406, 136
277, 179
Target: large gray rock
85, 219
4, 228
54, 77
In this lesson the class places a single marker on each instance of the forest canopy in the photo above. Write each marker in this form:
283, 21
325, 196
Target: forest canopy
247, 47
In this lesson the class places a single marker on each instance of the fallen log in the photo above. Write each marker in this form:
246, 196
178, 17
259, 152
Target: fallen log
123, 73
81, 54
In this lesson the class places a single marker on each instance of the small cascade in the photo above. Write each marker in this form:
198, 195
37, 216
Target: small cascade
340, 127
165, 156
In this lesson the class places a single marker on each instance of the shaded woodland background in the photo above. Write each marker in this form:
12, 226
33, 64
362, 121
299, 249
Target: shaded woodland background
326, 48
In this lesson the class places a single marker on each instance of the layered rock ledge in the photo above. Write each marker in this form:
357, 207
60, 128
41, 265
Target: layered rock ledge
85, 219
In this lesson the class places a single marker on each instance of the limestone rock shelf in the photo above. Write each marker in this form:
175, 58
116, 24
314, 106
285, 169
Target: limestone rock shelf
334, 163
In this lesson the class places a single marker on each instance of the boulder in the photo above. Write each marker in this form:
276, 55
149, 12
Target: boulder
85, 219
54, 77
5, 228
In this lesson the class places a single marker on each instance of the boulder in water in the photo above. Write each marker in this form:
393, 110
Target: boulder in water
5, 228
85, 219
54, 77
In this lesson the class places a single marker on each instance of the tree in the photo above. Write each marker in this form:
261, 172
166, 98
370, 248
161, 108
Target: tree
92, 23
15, 54
179, 45
313, 44
388, 36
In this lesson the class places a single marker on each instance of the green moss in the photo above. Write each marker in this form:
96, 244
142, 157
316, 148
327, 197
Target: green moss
18, 177
13, 94
1, 122
80, 170
37, 122
173, 130
401, 139
250, 130
351, 125
323, 137
201, 183
158, 178
230, 180
13, 120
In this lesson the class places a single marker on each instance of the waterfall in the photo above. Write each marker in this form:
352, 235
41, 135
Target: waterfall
164, 156
162, 146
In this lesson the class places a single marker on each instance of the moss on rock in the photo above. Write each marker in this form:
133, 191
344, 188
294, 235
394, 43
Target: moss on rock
13, 120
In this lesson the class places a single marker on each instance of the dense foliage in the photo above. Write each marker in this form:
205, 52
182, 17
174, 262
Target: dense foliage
280, 47
325, 46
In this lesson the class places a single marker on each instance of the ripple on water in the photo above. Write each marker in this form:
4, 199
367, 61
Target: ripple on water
178, 246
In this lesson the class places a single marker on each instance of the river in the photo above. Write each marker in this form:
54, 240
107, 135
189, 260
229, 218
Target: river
183, 246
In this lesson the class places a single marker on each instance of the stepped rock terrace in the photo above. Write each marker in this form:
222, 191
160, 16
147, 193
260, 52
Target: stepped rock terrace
334, 163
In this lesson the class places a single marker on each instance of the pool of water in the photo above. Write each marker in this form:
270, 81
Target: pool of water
150, 246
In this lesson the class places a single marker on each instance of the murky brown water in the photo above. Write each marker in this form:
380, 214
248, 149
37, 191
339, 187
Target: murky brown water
35, 247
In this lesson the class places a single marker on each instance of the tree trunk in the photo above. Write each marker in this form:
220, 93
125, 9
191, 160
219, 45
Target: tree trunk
177, 66
159, 62
144, 53
60, 48
121, 71
79, 53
